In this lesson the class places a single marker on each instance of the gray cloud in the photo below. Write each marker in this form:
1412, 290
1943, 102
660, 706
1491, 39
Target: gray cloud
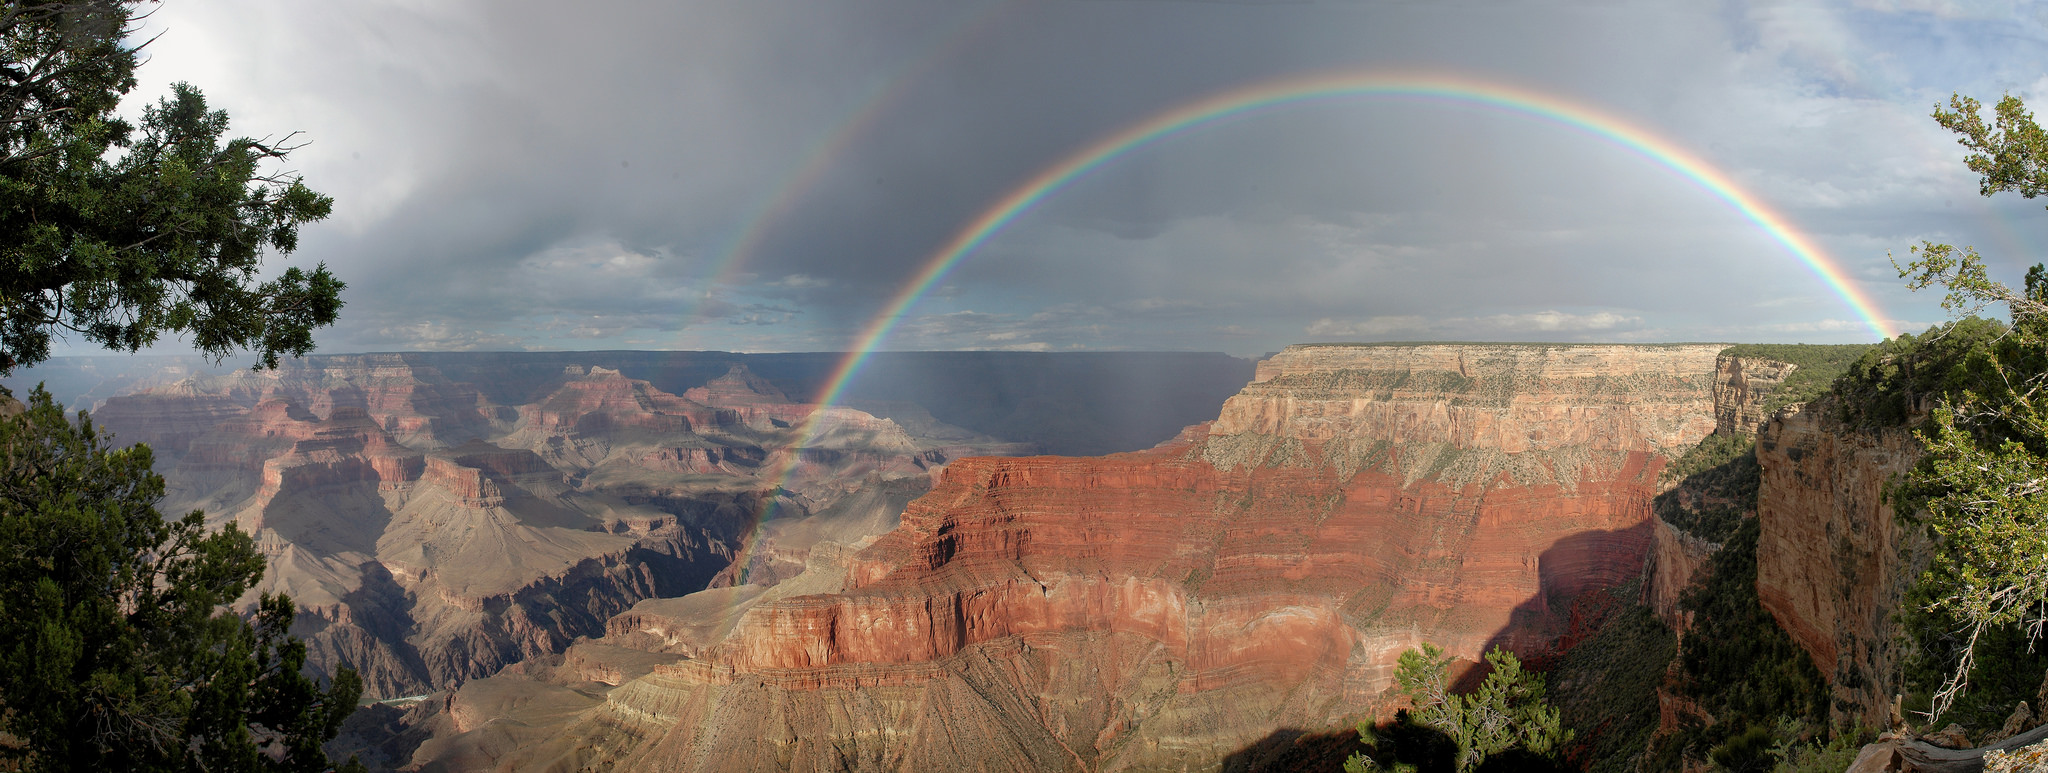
513, 175
1538, 323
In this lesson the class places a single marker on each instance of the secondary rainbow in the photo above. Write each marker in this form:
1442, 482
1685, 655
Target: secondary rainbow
832, 146
1450, 88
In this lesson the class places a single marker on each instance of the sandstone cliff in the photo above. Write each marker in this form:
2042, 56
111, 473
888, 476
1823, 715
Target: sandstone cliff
1741, 386
1675, 561
1166, 607
1829, 561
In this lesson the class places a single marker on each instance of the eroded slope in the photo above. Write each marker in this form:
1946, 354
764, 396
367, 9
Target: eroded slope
1164, 608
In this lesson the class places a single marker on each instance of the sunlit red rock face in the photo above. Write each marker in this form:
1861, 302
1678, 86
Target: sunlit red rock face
1161, 609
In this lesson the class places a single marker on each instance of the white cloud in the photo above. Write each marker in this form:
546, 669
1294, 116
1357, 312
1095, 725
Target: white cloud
1550, 321
1536, 322
800, 282
1375, 326
432, 335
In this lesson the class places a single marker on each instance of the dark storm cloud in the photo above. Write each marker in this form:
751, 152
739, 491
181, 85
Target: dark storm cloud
511, 174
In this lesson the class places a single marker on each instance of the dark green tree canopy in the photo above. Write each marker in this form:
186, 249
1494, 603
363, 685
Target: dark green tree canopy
120, 233
1506, 724
118, 649
1981, 489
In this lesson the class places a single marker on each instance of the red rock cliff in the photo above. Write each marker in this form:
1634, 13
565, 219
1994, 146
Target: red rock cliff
1164, 608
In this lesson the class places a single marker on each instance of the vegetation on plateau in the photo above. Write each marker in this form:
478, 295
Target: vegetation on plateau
1818, 367
119, 646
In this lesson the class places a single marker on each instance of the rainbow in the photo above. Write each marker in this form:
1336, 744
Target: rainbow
833, 145
1346, 84
1309, 88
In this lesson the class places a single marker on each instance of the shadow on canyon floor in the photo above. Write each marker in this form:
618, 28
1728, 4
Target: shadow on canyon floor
1572, 601
1292, 749
1288, 750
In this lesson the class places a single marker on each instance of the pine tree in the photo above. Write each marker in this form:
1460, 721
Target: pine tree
1982, 485
119, 233
1508, 715
118, 648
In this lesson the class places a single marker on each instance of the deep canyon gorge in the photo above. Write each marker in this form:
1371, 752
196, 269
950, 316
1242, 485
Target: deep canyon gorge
554, 559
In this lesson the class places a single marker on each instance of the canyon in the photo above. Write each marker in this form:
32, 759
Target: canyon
1255, 577
557, 566
438, 517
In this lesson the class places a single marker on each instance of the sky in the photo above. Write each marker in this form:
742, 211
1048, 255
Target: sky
767, 175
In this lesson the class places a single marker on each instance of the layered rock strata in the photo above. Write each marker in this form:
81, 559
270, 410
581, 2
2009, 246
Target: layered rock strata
1163, 608
1741, 387
431, 535
1833, 562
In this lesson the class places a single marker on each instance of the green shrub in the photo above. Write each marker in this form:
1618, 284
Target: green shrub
1798, 754
1717, 486
1737, 664
1606, 686
1507, 719
1885, 385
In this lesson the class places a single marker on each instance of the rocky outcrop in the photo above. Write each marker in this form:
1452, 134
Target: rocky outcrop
1741, 386
604, 401
2024, 753
739, 386
1165, 607
1829, 560
1674, 563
